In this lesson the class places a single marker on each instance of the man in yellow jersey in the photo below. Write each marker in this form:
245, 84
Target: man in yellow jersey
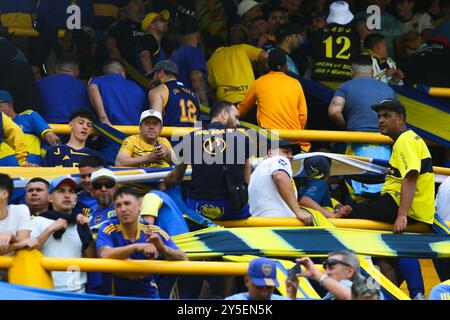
280, 98
146, 149
408, 191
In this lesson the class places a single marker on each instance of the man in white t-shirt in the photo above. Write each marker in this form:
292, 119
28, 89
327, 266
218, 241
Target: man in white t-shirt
60, 236
272, 191
14, 221
442, 202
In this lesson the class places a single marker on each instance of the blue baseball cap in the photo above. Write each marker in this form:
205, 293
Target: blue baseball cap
60, 180
315, 167
263, 272
5, 96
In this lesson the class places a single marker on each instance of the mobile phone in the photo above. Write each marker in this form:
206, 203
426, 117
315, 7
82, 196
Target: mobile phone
292, 272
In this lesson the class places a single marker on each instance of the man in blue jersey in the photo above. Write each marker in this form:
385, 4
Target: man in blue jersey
63, 93
34, 128
179, 105
71, 153
87, 166
115, 99
126, 237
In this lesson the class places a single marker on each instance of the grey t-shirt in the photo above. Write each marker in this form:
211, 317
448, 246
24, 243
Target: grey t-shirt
345, 282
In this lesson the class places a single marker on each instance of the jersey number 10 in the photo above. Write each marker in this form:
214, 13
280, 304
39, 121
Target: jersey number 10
341, 54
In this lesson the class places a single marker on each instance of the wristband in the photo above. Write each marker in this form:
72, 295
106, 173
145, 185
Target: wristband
322, 279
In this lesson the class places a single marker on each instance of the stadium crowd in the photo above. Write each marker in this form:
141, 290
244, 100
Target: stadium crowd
163, 63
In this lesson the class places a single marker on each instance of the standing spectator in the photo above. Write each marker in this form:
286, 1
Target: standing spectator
219, 151
442, 29
213, 18
87, 166
124, 35
33, 127
272, 191
191, 60
247, 10
126, 237
280, 98
17, 77
384, 68
36, 196
115, 99
63, 93
149, 49
14, 221
259, 28
289, 37
318, 21
224, 81
71, 153
146, 149
171, 97
277, 16
293, 9
60, 236
334, 46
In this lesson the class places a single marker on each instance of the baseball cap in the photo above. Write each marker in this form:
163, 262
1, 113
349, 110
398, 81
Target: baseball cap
150, 113
393, 105
60, 180
263, 272
283, 143
187, 25
5, 96
315, 167
103, 174
286, 29
277, 59
151, 16
166, 65
340, 13
245, 6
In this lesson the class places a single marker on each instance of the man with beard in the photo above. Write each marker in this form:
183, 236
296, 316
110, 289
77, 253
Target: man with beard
171, 97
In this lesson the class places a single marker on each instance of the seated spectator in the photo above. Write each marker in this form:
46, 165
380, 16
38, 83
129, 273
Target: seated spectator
224, 81
361, 290
179, 104
384, 68
36, 196
190, 59
60, 236
314, 191
14, 221
115, 99
149, 48
33, 127
280, 98
341, 270
87, 166
441, 291
272, 190
261, 280
220, 151
62, 93
146, 149
126, 237
71, 153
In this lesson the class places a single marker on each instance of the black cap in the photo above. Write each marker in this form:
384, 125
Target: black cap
316, 166
187, 25
277, 59
393, 105
286, 29
283, 143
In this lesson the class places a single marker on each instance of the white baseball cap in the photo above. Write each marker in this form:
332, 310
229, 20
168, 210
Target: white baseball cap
151, 113
245, 6
339, 13
103, 174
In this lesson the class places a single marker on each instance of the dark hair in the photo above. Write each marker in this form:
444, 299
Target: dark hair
91, 161
6, 183
39, 179
83, 113
125, 190
360, 288
275, 8
362, 60
372, 40
218, 107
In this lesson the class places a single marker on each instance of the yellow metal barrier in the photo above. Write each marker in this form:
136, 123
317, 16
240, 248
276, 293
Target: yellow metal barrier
439, 92
30, 32
340, 223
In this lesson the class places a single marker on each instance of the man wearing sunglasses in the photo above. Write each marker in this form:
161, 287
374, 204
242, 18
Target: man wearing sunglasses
341, 269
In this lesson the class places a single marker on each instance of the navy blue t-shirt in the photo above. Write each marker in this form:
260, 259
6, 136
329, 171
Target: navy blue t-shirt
188, 59
182, 106
316, 189
65, 156
359, 95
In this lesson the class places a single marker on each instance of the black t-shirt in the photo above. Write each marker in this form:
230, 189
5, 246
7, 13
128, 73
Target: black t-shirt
127, 34
207, 151
333, 49
149, 43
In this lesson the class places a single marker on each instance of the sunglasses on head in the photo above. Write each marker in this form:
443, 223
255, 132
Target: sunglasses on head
331, 262
98, 185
